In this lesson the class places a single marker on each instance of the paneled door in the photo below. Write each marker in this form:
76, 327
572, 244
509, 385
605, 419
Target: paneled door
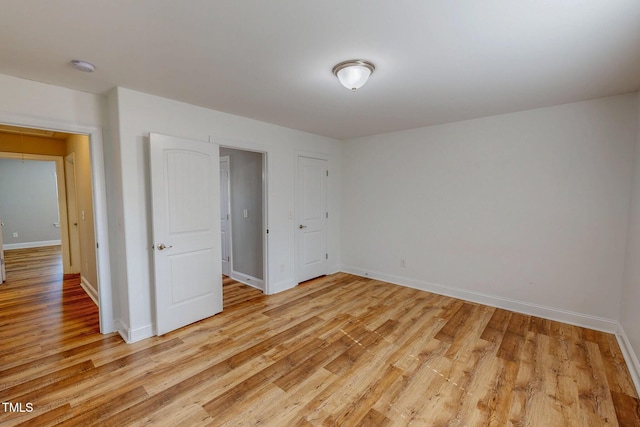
185, 191
311, 212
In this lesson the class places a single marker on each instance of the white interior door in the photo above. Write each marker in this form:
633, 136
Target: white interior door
185, 199
72, 213
225, 213
311, 212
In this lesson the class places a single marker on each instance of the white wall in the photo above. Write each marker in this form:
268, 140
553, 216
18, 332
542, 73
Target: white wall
32, 99
525, 210
119, 261
138, 114
29, 203
630, 312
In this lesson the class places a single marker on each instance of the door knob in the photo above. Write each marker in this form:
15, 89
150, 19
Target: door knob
162, 247
302, 226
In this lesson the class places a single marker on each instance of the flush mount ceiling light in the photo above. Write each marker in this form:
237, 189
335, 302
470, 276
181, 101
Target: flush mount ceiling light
353, 74
85, 66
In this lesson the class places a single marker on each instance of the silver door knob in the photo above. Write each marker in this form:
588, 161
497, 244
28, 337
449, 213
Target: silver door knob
162, 247
302, 226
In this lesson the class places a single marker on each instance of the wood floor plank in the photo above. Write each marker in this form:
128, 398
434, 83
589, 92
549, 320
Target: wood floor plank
473, 365
45, 380
46, 364
466, 340
291, 406
104, 406
245, 394
337, 350
163, 398
72, 387
187, 415
344, 392
618, 375
596, 406
456, 323
514, 337
318, 358
374, 418
627, 408
494, 331
366, 342
354, 413
54, 416
495, 400
416, 398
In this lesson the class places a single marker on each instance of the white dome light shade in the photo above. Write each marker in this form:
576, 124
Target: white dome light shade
353, 74
354, 77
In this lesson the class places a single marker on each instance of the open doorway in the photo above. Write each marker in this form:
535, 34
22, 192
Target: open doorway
27, 217
243, 215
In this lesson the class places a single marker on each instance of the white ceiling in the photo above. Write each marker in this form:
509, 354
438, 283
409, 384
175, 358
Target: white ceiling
437, 61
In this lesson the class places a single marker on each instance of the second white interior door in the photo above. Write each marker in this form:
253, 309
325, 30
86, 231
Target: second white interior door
311, 212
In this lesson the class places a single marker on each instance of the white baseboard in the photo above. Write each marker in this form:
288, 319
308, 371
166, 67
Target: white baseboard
122, 329
282, 286
247, 280
334, 269
89, 289
141, 333
133, 335
25, 245
551, 313
629, 356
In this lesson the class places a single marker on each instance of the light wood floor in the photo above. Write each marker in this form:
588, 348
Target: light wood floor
339, 350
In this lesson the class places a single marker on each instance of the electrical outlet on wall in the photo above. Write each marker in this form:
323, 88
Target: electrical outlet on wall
15, 235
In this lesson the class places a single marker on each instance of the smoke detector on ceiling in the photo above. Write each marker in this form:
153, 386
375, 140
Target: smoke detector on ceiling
85, 66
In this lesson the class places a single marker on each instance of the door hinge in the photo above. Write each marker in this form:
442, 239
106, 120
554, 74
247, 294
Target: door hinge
97, 245
327, 215
228, 259
327, 172
326, 256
